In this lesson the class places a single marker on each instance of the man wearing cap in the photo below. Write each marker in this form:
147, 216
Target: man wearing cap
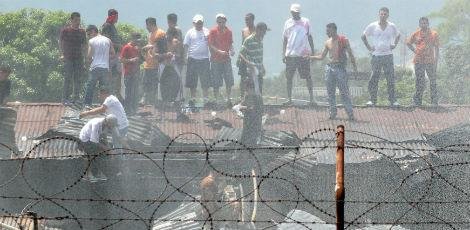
220, 44
298, 44
130, 58
99, 53
108, 29
93, 142
151, 79
111, 105
198, 65
251, 54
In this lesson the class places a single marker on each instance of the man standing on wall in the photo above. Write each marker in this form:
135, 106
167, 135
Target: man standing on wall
385, 37
425, 45
221, 47
298, 43
72, 43
109, 30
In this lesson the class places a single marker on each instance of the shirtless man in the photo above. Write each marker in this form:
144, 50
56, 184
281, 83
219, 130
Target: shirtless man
337, 46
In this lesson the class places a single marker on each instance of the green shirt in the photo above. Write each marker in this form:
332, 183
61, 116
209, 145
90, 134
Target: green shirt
252, 50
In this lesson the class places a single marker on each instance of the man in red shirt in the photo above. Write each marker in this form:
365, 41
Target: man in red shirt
130, 57
220, 45
425, 44
73, 47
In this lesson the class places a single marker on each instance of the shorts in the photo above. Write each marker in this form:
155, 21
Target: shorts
300, 64
198, 69
222, 72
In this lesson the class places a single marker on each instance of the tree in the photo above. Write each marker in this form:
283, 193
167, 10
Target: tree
454, 32
29, 45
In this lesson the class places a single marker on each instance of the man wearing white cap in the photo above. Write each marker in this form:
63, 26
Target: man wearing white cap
197, 50
220, 45
91, 136
297, 45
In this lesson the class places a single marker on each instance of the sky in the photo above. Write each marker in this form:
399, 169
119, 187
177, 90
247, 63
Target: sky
351, 16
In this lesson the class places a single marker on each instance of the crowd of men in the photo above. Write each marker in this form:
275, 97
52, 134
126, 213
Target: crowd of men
207, 55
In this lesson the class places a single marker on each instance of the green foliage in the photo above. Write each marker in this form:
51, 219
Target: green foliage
455, 18
125, 30
29, 44
454, 31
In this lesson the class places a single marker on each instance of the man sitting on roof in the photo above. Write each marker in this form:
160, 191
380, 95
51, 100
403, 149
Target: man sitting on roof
93, 142
111, 105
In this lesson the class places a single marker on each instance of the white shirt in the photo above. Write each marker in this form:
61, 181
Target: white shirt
197, 43
296, 32
92, 130
100, 46
114, 106
380, 39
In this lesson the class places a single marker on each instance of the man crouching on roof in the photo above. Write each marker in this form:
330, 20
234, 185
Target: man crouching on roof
111, 105
93, 143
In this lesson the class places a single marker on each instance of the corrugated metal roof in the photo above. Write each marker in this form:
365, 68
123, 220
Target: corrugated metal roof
33, 120
393, 124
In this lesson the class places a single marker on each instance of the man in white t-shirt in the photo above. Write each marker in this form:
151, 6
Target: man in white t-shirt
111, 105
92, 137
198, 65
384, 37
296, 48
99, 53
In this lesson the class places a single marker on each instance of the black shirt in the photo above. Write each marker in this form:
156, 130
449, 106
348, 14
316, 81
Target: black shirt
109, 30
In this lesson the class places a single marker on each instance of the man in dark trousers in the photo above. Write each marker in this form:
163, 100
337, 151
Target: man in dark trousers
425, 45
109, 30
252, 105
5, 84
298, 43
72, 43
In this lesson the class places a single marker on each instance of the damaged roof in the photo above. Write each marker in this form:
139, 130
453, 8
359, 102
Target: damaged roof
390, 124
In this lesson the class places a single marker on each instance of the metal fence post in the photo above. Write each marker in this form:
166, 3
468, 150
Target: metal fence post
339, 188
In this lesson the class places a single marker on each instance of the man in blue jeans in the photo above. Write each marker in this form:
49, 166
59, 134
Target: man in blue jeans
384, 37
99, 51
335, 71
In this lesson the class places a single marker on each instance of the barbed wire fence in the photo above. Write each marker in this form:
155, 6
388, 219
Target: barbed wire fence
258, 187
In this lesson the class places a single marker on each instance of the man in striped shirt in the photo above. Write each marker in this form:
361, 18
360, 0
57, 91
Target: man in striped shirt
252, 54
252, 105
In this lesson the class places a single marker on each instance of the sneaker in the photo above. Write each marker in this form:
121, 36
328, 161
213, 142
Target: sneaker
395, 104
88, 107
370, 103
101, 176
67, 103
90, 178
